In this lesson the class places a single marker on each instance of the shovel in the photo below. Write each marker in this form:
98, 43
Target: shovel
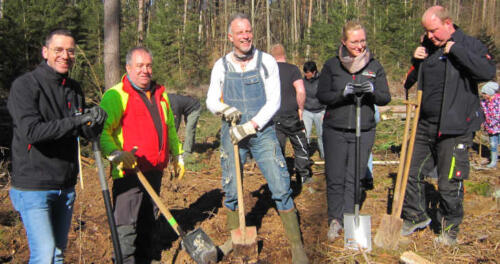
244, 237
357, 228
389, 230
197, 243
107, 201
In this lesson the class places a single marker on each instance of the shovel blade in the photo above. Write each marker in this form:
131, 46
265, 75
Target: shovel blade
200, 247
357, 235
245, 244
388, 232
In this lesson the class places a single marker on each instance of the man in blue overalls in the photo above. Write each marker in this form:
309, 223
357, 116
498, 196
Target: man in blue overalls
245, 87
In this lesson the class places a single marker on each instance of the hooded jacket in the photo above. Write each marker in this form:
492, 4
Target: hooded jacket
467, 63
312, 103
341, 110
44, 144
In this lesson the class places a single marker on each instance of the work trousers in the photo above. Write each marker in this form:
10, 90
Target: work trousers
300, 147
134, 213
191, 121
450, 154
340, 162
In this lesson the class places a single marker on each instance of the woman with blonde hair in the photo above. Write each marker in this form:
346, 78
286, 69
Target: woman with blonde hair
353, 72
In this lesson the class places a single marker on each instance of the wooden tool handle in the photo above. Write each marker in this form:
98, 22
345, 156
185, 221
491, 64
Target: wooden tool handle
404, 181
239, 186
402, 157
159, 203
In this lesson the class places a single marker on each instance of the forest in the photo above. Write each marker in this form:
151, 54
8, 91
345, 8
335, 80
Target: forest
188, 36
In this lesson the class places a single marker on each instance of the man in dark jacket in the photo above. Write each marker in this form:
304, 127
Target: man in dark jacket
313, 109
288, 119
189, 108
448, 65
48, 114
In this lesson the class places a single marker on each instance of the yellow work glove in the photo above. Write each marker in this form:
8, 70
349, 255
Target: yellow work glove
124, 160
178, 164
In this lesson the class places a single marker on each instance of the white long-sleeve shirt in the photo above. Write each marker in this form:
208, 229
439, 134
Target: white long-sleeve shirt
271, 86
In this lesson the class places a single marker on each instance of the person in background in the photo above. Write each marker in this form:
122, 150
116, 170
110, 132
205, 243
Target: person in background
491, 109
48, 112
139, 133
189, 108
448, 66
313, 109
354, 65
245, 89
288, 118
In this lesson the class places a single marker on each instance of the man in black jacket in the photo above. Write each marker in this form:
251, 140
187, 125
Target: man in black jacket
288, 119
448, 65
48, 113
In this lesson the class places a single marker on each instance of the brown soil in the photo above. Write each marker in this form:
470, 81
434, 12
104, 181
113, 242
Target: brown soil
196, 201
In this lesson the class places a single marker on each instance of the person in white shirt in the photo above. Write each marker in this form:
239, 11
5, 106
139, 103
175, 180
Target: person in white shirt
245, 91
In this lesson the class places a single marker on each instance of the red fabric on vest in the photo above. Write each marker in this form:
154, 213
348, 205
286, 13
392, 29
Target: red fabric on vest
139, 130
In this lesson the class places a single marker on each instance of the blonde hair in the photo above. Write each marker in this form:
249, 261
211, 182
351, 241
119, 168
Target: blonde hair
351, 26
438, 11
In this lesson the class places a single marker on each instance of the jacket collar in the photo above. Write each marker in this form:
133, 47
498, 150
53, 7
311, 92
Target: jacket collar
128, 88
458, 35
50, 74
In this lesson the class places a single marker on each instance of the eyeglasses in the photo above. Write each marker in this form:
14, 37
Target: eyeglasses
356, 43
60, 51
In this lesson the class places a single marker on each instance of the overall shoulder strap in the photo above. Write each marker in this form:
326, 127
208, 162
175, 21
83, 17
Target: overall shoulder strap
260, 64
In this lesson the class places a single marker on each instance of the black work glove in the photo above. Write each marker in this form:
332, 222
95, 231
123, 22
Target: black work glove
91, 132
98, 115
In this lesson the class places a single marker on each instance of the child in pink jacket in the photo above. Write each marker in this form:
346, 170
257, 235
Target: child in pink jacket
491, 107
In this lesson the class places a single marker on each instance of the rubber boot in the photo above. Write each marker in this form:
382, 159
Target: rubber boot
232, 222
292, 232
494, 157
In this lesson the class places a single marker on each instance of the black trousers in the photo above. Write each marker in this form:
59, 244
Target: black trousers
450, 155
300, 147
134, 214
340, 162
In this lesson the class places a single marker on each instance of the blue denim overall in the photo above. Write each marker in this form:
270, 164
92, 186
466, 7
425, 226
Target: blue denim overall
245, 91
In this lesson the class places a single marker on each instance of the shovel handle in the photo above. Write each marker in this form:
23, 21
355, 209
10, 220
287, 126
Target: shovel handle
157, 200
402, 156
404, 181
239, 186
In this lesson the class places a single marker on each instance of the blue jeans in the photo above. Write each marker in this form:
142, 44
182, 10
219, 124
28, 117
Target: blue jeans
494, 139
267, 153
317, 118
46, 216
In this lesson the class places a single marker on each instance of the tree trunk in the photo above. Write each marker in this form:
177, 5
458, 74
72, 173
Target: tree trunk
483, 17
140, 24
224, 26
309, 23
253, 13
268, 28
1, 8
184, 19
111, 42
200, 21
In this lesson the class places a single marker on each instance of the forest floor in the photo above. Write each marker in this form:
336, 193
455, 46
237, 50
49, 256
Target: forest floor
196, 202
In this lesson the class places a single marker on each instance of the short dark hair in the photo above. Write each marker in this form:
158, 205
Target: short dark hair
128, 58
58, 31
310, 66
